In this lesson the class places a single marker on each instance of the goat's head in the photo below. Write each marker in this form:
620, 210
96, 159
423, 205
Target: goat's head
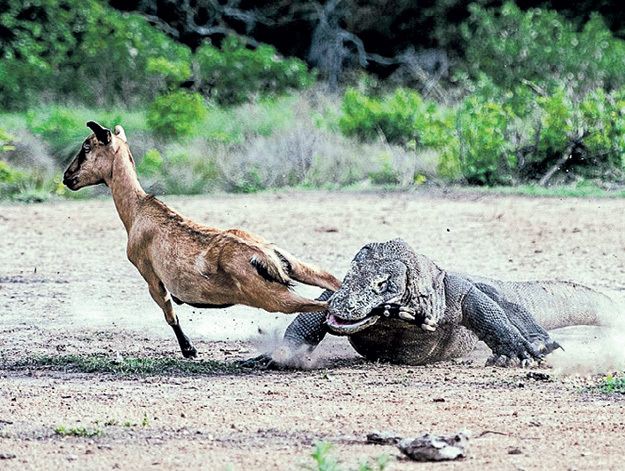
94, 162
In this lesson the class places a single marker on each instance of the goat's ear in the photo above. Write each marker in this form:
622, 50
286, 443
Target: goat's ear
101, 133
119, 132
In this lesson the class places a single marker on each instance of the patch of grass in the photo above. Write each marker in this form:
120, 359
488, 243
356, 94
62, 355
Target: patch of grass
611, 385
77, 432
125, 366
324, 461
582, 190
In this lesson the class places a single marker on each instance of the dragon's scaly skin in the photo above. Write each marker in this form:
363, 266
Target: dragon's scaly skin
399, 306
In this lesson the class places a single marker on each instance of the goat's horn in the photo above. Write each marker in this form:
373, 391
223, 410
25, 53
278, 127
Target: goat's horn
103, 134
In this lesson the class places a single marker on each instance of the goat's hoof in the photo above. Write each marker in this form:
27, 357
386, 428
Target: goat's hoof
189, 352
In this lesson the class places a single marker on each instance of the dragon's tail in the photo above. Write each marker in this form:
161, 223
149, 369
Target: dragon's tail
556, 304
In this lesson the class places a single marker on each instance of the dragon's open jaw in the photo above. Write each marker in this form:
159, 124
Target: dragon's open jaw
341, 326
348, 327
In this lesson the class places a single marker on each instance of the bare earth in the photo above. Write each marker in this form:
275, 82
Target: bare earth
66, 288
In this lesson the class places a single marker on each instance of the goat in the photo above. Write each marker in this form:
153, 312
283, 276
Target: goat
184, 261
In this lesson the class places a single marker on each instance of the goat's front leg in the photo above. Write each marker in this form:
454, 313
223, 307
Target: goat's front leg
163, 299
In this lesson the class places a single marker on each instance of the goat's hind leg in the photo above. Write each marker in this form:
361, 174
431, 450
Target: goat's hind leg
163, 299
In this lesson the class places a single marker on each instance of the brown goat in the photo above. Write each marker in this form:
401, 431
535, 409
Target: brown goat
184, 261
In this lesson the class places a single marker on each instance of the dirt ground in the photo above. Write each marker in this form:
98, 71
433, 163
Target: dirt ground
66, 288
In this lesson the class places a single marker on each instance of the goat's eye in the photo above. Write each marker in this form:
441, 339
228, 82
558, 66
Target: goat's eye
86, 147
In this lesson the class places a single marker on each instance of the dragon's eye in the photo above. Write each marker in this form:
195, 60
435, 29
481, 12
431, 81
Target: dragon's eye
380, 286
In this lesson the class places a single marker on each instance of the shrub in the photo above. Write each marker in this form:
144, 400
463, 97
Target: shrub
19, 185
176, 114
542, 47
394, 117
78, 50
500, 142
234, 73
484, 144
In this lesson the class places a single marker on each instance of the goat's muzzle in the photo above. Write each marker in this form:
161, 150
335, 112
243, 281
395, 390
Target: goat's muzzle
70, 181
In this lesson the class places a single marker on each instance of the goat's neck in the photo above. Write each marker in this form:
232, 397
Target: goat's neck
125, 188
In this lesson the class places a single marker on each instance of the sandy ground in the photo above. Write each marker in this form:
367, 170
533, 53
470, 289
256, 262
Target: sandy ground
66, 288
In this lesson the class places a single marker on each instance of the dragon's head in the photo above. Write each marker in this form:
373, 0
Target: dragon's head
377, 277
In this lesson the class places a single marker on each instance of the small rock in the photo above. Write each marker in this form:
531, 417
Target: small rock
431, 447
514, 451
538, 376
383, 438
7, 456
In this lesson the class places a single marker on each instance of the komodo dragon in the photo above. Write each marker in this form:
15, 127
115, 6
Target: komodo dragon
398, 306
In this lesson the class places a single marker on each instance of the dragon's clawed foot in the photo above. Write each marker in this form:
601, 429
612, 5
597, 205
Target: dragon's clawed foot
403, 312
429, 324
261, 362
510, 361
409, 314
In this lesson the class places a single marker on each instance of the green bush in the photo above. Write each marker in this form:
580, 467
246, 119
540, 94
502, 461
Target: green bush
78, 51
176, 114
483, 142
500, 142
395, 117
604, 117
235, 74
542, 47
151, 164
22, 186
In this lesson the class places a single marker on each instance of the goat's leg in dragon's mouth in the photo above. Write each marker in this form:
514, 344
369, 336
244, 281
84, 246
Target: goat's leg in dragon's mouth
340, 325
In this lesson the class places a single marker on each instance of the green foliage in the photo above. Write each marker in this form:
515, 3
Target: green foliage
126, 366
151, 165
395, 117
9, 175
182, 170
62, 128
22, 186
81, 51
77, 432
176, 114
235, 74
483, 142
324, 461
387, 174
603, 116
5, 141
612, 385
172, 72
497, 136
542, 47
556, 122
237, 124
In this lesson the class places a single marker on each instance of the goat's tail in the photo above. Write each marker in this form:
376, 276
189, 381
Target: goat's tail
307, 274
273, 263
270, 266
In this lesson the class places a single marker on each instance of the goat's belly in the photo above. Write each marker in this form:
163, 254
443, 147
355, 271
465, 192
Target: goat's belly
396, 341
200, 305
195, 290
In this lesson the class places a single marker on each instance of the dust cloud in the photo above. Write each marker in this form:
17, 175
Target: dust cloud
592, 349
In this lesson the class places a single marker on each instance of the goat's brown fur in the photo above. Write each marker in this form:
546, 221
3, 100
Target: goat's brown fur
179, 258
